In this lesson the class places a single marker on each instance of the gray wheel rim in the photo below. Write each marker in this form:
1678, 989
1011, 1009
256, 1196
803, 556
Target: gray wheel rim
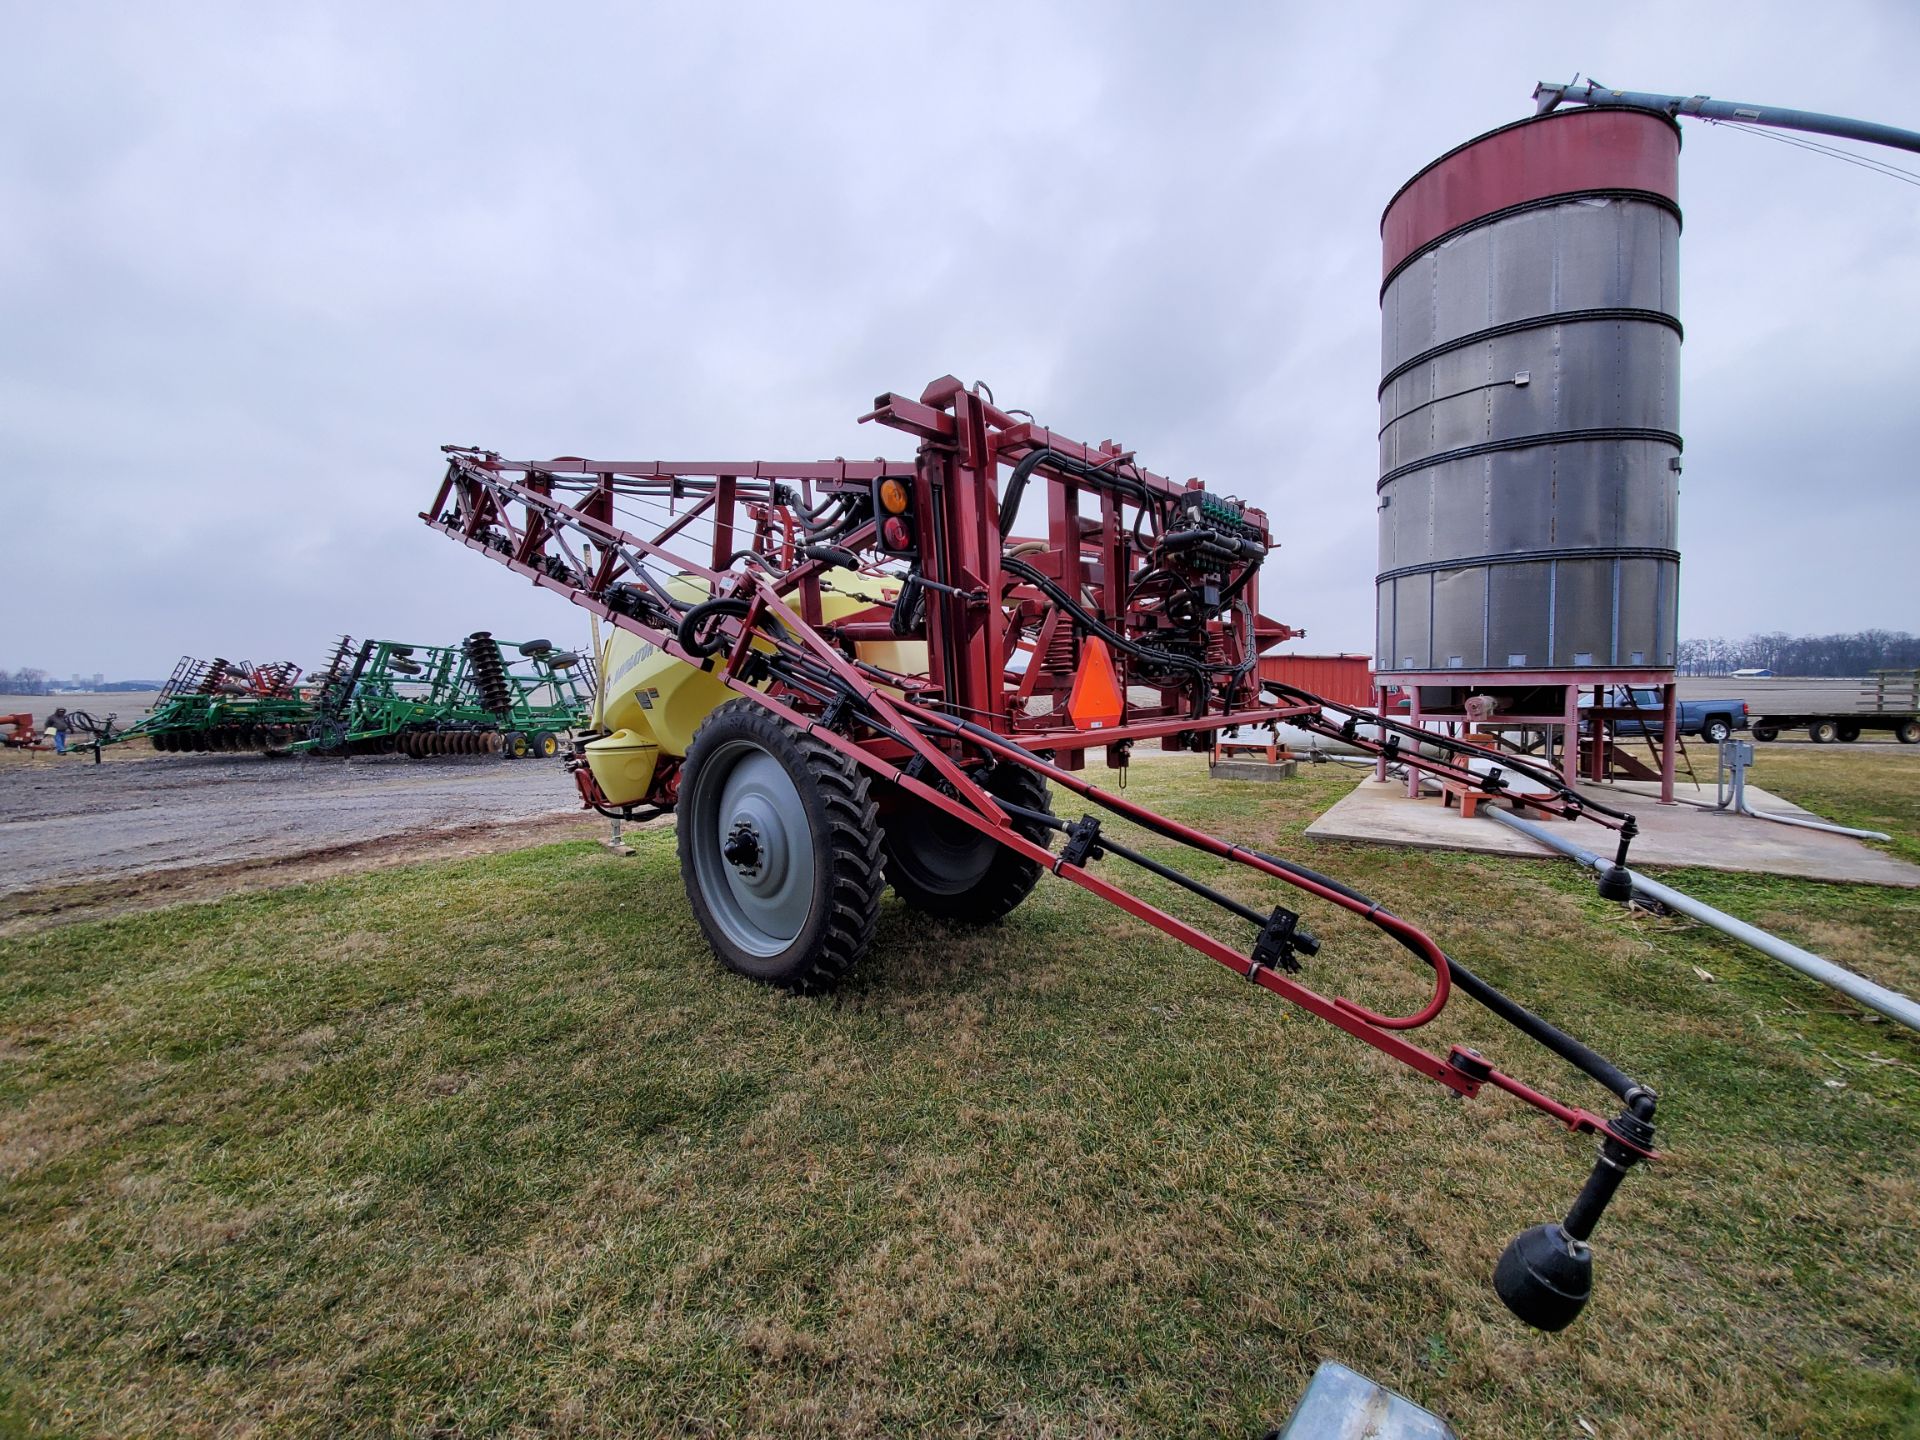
941, 854
762, 902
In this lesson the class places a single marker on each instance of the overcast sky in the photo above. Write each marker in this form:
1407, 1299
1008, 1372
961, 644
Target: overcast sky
257, 262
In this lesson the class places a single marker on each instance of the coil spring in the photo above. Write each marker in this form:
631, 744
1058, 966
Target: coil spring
1059, 658
330, 697
489, 672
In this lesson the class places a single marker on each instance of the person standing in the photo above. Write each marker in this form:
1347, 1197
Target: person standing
57, 723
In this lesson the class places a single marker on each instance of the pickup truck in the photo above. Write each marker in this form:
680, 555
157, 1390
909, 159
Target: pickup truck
1712, 720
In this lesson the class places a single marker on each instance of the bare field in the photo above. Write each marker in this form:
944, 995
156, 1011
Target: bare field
126, 706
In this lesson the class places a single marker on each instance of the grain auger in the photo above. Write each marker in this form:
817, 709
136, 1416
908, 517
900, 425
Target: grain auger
852, 674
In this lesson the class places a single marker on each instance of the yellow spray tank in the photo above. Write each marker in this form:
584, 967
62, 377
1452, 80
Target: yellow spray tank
651, 704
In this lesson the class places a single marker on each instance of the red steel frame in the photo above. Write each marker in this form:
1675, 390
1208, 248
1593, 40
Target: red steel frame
1568, 721
554, 523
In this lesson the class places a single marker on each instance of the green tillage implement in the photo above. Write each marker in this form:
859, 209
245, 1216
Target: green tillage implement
552, 692
224, 706
421, 700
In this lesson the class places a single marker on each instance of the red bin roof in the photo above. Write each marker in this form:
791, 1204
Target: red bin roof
1566, 153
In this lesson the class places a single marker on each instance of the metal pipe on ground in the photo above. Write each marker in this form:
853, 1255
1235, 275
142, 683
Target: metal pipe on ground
1890, 1003
1735, 757
1742, 808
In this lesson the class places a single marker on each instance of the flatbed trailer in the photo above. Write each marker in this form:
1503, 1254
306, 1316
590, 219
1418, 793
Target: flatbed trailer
1886, 701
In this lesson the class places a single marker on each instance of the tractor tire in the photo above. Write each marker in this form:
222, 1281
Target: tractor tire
779, 849
517, 746
545, 745
949, 870
1715, 731
1907, 732
1765, 732
1823, 732
1848, 733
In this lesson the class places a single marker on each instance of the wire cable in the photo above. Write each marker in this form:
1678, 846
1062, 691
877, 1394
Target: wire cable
1878, 167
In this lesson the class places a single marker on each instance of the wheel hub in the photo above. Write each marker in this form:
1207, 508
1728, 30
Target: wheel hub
742, 849
754, 857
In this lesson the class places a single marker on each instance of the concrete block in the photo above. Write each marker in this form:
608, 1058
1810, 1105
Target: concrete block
1250, 770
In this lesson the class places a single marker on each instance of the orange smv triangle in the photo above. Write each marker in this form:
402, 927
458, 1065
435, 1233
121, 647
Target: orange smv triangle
1096, 700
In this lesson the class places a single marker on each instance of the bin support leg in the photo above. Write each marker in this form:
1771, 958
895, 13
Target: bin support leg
1570, 738
1669, 739
1413, 771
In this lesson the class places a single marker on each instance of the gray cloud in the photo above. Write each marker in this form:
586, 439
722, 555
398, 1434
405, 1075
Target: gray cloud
257, 263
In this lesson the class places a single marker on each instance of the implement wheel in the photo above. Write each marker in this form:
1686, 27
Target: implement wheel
1848, 733
518, 746
545, 745
946, 868
779, 849
1907, 732
1765, 732
1823, 732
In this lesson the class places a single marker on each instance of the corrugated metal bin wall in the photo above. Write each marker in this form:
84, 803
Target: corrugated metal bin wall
1529, 439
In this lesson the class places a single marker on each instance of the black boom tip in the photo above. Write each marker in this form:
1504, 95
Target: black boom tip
1545, 1276
1616, 884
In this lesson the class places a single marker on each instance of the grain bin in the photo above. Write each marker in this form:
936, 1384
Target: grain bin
1529, 400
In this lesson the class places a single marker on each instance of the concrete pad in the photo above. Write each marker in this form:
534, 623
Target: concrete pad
1680, 834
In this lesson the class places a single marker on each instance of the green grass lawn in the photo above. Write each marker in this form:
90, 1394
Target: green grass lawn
494, 1148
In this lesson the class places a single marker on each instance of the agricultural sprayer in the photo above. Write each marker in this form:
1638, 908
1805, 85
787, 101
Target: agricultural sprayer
850, 674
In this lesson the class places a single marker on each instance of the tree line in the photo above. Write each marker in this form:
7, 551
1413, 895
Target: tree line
1855, 653
23, 682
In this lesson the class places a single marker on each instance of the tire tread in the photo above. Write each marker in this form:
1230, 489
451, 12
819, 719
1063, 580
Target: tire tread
854, 876
1010, 877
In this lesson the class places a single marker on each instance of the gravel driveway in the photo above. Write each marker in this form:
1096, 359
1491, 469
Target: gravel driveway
77, 821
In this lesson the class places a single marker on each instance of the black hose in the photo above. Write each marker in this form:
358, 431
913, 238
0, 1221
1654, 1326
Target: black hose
1145, 862
698, 615
831, 555
1590, 1062
654, 812
1580, 1056
814, 512
856, 510
1241, 581
1151, 655
1016, 486
1413, 732
1079, 469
